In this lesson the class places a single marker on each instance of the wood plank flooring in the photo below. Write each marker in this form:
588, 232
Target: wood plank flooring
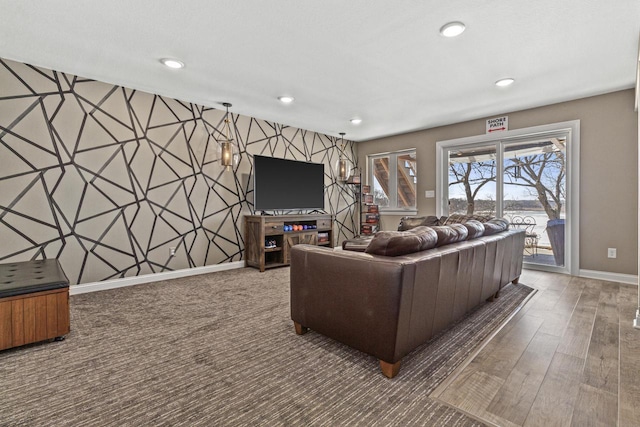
569, 357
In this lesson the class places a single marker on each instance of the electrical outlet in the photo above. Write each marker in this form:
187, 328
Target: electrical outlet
612, 252
172, 251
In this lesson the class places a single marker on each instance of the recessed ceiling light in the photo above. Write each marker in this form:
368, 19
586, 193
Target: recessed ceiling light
286, 99
505, 82
172, 63
452, 29
356, 120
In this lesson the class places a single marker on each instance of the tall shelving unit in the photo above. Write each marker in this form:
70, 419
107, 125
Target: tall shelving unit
368, 212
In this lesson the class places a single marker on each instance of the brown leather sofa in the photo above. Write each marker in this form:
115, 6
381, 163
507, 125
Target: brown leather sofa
387, 306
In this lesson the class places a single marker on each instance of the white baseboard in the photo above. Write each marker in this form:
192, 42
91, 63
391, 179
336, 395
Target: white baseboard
156, 277
148, 278
611, 277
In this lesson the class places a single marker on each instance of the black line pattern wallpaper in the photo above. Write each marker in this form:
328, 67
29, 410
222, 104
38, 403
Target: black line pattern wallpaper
108, 179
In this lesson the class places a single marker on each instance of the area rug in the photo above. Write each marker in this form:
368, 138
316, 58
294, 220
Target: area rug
220, 349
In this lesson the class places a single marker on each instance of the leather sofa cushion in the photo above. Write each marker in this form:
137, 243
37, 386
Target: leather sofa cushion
409, 222
395, 243
448, 234
495, 225
428, 237
475, 229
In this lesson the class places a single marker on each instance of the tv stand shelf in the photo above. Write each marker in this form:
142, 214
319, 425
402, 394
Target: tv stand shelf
260, 229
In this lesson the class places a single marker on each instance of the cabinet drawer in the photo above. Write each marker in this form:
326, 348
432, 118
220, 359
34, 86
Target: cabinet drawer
275, 227
323, 224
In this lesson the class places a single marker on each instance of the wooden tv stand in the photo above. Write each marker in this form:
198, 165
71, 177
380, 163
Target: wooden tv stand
259, 229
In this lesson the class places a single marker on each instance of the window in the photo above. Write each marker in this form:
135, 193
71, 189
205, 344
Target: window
393, 181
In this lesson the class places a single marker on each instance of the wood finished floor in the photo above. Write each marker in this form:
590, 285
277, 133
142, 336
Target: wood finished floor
569, 357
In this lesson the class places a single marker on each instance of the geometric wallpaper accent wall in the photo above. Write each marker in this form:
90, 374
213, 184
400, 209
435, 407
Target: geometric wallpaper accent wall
106, 179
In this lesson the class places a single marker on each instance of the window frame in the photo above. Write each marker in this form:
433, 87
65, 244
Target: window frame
393, 208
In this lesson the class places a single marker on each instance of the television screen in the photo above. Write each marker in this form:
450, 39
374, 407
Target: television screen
280, 184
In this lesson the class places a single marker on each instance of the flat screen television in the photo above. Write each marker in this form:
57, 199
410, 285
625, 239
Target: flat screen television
281, 184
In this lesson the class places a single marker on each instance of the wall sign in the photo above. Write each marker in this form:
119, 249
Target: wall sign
498, 124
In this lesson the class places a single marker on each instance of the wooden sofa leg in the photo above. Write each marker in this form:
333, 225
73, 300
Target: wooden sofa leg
494, 297
516, 280
300, 330
390, 370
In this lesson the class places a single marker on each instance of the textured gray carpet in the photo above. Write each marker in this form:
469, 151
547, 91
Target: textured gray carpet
220, 349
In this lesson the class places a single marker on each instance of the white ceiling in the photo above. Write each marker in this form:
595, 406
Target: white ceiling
381, 60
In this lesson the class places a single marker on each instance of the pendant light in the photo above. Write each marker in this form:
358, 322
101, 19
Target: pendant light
227, 148
343, 166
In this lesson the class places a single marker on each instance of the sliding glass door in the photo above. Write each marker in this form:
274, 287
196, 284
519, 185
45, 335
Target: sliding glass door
534, 182
523, 178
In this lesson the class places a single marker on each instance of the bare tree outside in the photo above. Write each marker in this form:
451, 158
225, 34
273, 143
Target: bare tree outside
473, 176
544, 176
542, 173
